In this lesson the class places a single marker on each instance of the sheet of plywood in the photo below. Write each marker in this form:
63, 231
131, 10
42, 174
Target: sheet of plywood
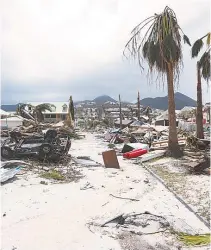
110, 159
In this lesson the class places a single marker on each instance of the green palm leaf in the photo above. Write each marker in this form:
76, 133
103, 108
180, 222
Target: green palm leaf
197, 46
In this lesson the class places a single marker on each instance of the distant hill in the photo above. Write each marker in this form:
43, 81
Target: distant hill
181, 101
102, 99
9, 107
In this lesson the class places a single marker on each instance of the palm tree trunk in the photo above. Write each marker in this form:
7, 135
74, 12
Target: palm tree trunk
199, 114
173, 145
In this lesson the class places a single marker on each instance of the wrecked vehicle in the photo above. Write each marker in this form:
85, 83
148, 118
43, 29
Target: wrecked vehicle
51, 145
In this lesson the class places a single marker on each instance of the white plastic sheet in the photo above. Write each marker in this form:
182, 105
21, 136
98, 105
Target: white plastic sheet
7, 174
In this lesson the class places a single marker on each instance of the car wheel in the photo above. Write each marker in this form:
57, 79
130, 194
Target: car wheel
51, 133
6, 152
45, 151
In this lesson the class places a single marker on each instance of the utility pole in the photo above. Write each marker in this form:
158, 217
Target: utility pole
138, 103
120, 112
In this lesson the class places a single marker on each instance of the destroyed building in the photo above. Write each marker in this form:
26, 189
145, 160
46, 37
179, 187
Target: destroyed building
59, 111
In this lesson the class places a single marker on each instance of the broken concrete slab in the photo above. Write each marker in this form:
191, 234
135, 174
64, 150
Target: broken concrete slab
86, 162
152, 155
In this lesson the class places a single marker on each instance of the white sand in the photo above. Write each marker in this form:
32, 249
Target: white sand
54, 217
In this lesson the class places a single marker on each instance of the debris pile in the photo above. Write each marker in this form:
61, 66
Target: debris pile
44, 148
42, 140
147, 142
54, 172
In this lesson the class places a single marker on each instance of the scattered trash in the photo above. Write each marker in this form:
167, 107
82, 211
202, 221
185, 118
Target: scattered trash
135, 153
87, 186
137, 221
110, 159
152, 155
14, 163
43, 182
146, 181
85, 161
7, 174
131, 199
127, 148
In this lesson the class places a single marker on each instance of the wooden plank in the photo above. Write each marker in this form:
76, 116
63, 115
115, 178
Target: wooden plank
166, 141
110, 159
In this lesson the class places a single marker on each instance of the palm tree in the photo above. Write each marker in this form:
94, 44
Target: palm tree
39, 109
71, 108
203, 70
162, 50
71, 113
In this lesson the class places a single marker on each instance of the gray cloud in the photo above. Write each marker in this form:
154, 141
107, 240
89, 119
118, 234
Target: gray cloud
99, 68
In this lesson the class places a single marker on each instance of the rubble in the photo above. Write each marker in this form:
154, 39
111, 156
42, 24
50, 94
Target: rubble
110, 159
7, 174
43, 146
85, 161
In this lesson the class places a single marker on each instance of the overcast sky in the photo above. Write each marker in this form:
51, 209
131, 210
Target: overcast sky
52, 49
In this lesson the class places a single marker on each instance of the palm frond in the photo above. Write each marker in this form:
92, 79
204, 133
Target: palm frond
205, 66
45, 106
197, 46
161, 44
186, 40
208, 38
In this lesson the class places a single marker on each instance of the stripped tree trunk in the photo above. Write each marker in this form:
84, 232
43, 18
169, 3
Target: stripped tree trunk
199, 114
208, 114
120, 112
69, 115
173, 145
138, 103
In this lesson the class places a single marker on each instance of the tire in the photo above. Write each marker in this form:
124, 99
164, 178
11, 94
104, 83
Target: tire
6, 153
45, 150
51, 134
55, 157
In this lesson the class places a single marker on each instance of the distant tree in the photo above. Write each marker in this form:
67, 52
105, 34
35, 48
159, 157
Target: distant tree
39, 109
138, 104
35, 111
71, 108
203, 71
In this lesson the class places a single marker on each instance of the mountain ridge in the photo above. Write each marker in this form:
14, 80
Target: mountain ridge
181, 101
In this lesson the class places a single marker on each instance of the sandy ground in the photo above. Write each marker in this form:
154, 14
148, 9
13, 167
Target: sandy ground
192, 188
55, 216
